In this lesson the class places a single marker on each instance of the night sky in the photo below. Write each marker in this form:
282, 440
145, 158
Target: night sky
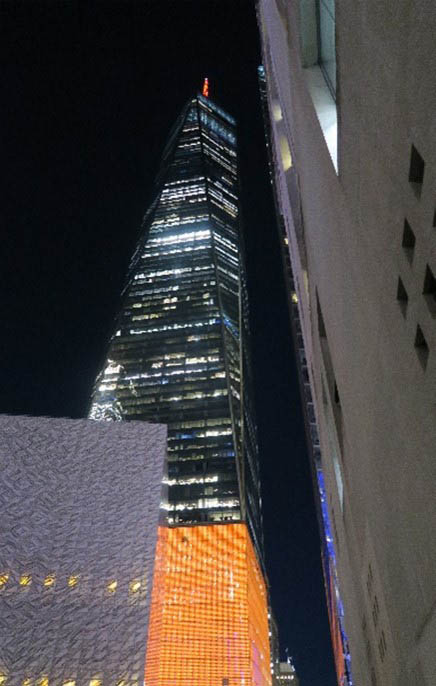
89, 93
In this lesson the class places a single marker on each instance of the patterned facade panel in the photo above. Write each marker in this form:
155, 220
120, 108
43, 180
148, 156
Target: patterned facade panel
81, 508
209, 616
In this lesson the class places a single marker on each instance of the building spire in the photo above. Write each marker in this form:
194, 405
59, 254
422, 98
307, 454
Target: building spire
206, 87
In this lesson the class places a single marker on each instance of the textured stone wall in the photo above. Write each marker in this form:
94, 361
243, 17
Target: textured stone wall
80, 512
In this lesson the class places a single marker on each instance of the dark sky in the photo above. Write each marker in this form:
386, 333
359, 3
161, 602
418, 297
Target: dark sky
89, 93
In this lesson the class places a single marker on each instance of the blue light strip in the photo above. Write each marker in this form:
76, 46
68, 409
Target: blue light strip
330, 551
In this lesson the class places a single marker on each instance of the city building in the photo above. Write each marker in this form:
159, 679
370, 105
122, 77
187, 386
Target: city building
180, 356
351, 96
81, 510
208, 615
274, 648
340, 648
287, 675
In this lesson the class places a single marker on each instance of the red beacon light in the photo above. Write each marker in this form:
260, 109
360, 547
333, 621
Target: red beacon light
206, 88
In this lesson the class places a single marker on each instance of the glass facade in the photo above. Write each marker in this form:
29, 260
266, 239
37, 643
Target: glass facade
327, 42
208, 619
318, 39
179, 355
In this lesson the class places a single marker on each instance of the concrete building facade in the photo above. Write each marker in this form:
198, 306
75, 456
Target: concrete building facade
351, 88
81, 509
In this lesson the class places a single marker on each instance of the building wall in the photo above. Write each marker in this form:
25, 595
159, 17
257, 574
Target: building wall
80, 512
374, 388
209, 621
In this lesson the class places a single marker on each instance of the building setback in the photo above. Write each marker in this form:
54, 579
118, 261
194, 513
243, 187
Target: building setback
180, 355
351, 90
81, 510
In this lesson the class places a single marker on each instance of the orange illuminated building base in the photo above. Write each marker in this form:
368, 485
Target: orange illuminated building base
209, 620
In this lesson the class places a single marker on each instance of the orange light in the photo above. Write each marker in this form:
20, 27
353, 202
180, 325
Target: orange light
206, 88
209, 618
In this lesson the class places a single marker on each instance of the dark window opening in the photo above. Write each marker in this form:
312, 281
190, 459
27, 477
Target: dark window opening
429, 283
382, 647
434, 220
321, 325
421, 347
369, 580
375, 611
429, 290
402, 297
408, 241
336, 395
416, 171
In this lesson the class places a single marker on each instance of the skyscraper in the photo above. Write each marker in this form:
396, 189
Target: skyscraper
180, 356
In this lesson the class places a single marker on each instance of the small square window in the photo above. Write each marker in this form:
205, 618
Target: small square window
402, 297
25, 580
321, 325
134, 586
336, 394
416, 171
421, 347
429, 286
73, 580
408, 241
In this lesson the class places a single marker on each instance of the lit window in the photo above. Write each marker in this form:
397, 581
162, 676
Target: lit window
285, 153
95, 682
27, 682
112, 586
69, 682
135, 585
43, 681
73, 581
25, 580
49, 580
3, 678
3, 580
